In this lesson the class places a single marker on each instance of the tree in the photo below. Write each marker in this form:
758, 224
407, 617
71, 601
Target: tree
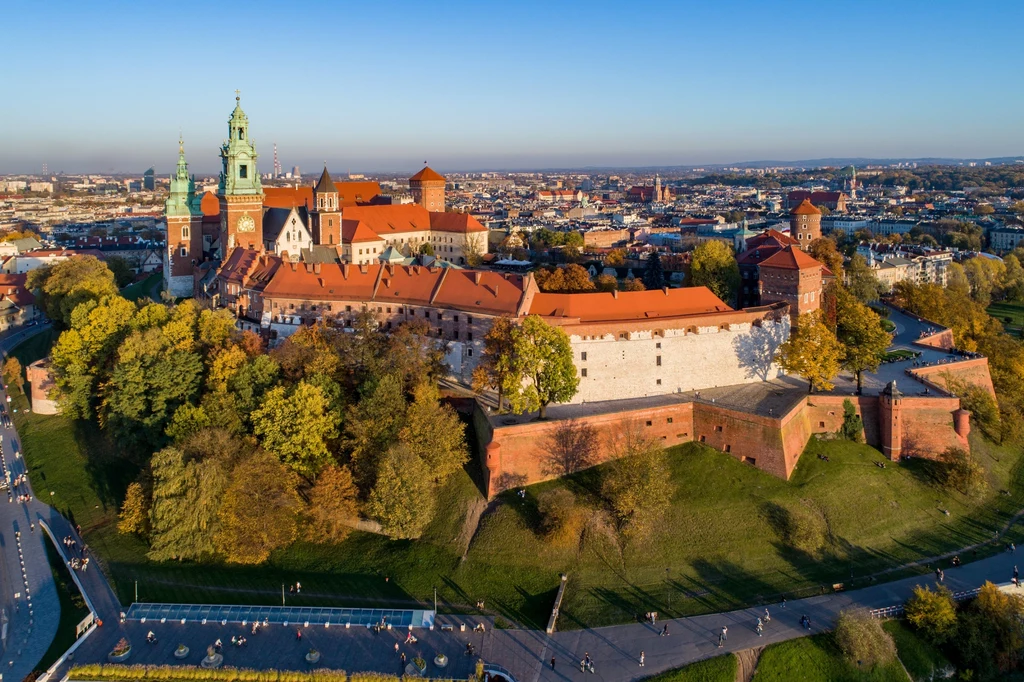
990, 636
615, 257
638, 486
187, 421
861, 637
561, 519
122, 272
260, 510
823, 250
296, 425
606, 283
474, 249
570, 279
933, 613
984, 209
332, 502
14, 374
434, 433
251, 382
572, 447
63, 286
961, 472
859, 330
654, 276
544, 370
134, 516
633, 284
403, 499
498, 361
373, 426
714, 266
861, 280
812, 351
853, 426
187, 493
426, 249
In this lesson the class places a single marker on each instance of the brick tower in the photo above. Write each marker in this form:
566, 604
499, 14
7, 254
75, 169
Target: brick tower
184, 229
427, 188
805, 224
240, 192
325, 218
890, 421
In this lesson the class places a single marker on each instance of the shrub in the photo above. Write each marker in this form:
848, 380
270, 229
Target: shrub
799, 527
863, 640
853, 426
561, 520
933, 613
960, 472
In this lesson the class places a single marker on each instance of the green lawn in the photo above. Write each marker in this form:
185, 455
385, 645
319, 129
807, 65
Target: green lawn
147, 288
817, 658
1010, 314
718, 549
921, 659
72, 609
717, 669
899, 354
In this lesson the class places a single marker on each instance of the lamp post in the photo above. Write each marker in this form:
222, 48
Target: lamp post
282, 594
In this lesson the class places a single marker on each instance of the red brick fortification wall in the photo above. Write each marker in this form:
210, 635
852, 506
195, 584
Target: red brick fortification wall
825, 414
973, 371
942, 339
770, 444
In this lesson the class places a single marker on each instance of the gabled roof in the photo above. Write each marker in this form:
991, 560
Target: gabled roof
629, 305
387, 220
349, 194
321, 253
805, 208
427, 174
353, 231
454, 222
325, 184
276, 219
790, 258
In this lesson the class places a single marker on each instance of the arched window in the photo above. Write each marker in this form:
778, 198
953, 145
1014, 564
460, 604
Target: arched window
184, 232
241, 134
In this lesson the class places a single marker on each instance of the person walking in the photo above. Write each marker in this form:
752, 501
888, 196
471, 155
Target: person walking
552, 662
641, 659
396, 647
723, 636
664, 631
767, 616
1016, 574
760, 627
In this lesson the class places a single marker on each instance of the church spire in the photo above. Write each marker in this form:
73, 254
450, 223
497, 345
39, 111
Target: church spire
182, 173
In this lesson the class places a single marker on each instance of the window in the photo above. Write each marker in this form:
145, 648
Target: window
669, 420
583, 372
659, 382
728, 448
718, 429
650, 423
241, 134
469, 336
184, 251
702, 439
389, 310
456, 335
348, 309
243, 169
821, 425
583, 356
658, 345
184, 232
659, 361
469, 319
469, 352
456, 318
291, 306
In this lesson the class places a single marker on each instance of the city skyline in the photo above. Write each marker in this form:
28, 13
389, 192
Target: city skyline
468, 88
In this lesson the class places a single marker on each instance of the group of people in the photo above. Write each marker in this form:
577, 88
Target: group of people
239, 640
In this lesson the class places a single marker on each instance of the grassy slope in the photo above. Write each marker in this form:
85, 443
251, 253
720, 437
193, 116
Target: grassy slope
717, 544
817, 658
147, 288
717, 669
920, 658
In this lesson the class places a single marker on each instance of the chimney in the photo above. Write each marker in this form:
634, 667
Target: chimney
362, 268
615, 293
295, 266
316, 268
309, 267
477, 276
665, 289
344, 270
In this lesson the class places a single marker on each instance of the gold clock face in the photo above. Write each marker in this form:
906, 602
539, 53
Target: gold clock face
246, 223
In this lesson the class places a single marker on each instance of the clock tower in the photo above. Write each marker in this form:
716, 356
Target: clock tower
184, 217
239, 192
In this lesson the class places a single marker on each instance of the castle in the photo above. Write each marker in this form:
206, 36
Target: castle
682, 362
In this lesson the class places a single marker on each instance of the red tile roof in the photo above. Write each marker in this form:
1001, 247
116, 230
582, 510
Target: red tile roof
387, 220
349, 194
427, 174
455, 222
210, 205
629, 305
790, 258
354, 231
805, 208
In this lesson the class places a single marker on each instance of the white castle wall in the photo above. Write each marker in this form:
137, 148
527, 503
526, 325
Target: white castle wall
619, 368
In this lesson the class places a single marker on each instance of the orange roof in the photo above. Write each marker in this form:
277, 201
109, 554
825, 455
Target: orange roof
353, 231
210, 204
388, 220
427, 174
629, 305
455, 222
790, 258
349, 194
805, 208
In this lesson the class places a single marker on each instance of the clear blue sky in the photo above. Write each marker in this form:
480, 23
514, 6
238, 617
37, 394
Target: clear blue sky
100, 86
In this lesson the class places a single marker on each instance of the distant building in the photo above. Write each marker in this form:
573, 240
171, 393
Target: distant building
1005, 238
149, 180
833, 201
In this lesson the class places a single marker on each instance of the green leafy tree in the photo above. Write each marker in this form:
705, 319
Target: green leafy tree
187, 493
714, 266
260, 510
61, 287
14, 375
859, 330
812, 351
606, 283
825, 251
426, 249
188, 420
134, 516
296, 425
434, 433
633, 284
861, 638
252, 381
498, 361
961, 472
638, 486
545, 372
122, 272
333, 503
853, 426
932, 612
654, 276
373, 426
861, 280
403, 498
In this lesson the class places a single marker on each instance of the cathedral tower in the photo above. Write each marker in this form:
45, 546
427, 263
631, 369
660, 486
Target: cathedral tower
184, 229
325, 218
427, 188
240, 192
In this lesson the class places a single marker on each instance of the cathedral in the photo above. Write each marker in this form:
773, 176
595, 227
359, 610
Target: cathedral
330, 222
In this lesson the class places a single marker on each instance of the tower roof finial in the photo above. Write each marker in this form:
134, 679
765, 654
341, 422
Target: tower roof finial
238, 95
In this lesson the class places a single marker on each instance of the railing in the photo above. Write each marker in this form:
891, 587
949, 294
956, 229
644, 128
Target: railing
897, 610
